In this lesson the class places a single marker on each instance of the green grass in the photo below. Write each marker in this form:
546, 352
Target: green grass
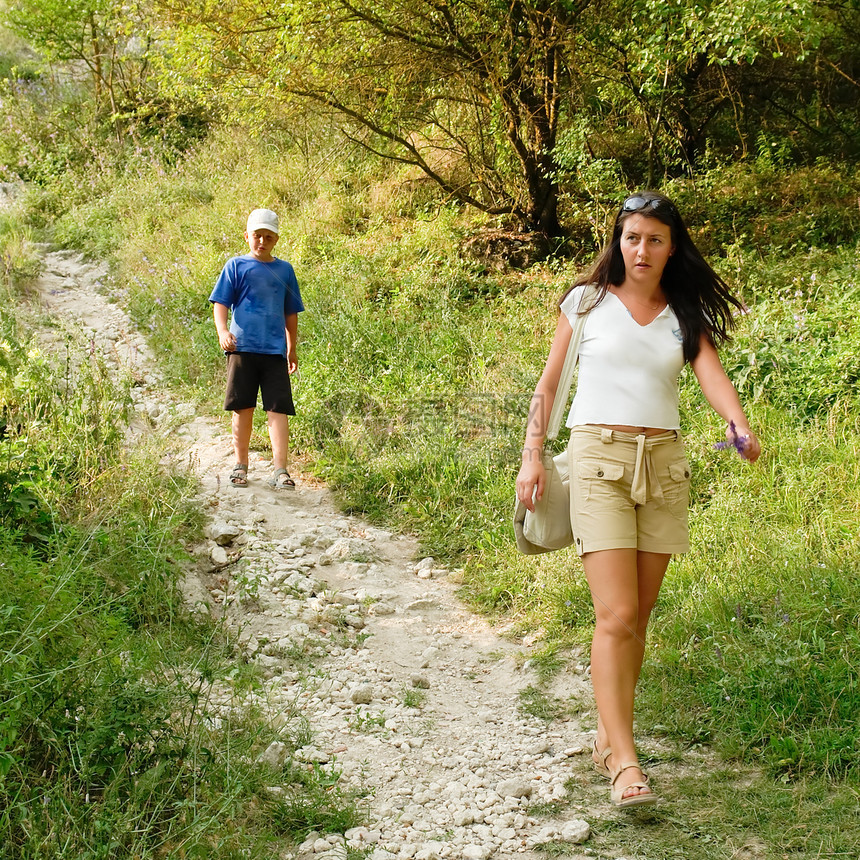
716, 816
417, 366
413, 698
534, 702
364, 721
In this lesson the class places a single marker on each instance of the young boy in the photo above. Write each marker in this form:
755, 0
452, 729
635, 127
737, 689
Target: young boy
263, 295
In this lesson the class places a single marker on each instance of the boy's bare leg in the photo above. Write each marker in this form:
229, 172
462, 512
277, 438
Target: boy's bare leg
243, 424
279, 436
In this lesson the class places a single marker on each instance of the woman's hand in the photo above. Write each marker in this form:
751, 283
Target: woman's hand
531, 479
745, 441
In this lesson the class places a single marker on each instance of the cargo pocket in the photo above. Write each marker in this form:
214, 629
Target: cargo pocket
598, 477
676, 491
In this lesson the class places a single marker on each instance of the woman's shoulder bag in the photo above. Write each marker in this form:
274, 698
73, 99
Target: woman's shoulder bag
548, 527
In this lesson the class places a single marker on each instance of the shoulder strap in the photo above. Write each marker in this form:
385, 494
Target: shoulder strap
559, 403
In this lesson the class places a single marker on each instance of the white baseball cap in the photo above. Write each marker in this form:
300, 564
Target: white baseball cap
263, 219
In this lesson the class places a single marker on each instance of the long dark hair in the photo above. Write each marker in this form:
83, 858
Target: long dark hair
699, 297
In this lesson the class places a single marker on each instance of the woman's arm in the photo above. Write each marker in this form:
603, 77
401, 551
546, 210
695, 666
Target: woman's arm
721, 394
532, 476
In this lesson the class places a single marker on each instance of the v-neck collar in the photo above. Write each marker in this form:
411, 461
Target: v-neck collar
630, 314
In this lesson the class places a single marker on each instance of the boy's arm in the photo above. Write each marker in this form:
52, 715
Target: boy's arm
291, 325
225, 337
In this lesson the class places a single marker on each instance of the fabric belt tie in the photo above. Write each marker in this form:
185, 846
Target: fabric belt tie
645, 475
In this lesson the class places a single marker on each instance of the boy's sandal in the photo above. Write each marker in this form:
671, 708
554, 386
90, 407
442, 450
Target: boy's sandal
239, 475
599, 757
281, 480
617, 793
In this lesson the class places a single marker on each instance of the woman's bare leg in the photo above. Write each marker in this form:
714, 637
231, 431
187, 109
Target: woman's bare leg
624, 587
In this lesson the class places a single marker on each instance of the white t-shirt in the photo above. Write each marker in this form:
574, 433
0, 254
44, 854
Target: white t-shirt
628, 373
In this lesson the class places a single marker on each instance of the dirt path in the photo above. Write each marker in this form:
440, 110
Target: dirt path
410, 695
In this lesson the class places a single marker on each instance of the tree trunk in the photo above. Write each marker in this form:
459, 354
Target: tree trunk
542, 213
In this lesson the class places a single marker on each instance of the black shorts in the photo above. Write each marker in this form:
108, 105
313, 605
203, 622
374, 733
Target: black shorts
250, 372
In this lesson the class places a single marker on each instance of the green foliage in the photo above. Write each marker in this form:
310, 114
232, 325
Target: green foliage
799, 350
321, 805
16, 60
469, 95
536, 703
673, 53
412, 697
119, 47
80, 96
18, 262
780, 212
104, 747
786, 658
511, 109
60, 430
754, 630
724, 812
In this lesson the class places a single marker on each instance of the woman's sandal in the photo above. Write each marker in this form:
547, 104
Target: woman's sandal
239, 475
617, 793
281, 480
598, 758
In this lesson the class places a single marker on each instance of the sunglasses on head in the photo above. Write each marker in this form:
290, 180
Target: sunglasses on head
640, 204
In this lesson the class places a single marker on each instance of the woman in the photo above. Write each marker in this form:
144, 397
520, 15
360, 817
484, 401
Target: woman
657, 306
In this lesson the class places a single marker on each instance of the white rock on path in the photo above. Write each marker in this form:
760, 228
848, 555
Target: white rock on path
218, 556
576, 831
275, 754
362, 695
223, 533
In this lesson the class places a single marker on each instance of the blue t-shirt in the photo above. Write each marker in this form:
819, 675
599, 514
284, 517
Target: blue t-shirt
260, 295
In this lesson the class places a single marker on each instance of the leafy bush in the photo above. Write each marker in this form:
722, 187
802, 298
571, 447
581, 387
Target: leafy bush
772, 678
770, 212
795, 349
105, 749
58, 433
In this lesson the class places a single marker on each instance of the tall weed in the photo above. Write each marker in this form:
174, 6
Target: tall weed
61, 427
773, 213
107, 742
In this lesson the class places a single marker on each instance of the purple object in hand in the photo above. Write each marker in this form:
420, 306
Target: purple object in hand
739, 443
